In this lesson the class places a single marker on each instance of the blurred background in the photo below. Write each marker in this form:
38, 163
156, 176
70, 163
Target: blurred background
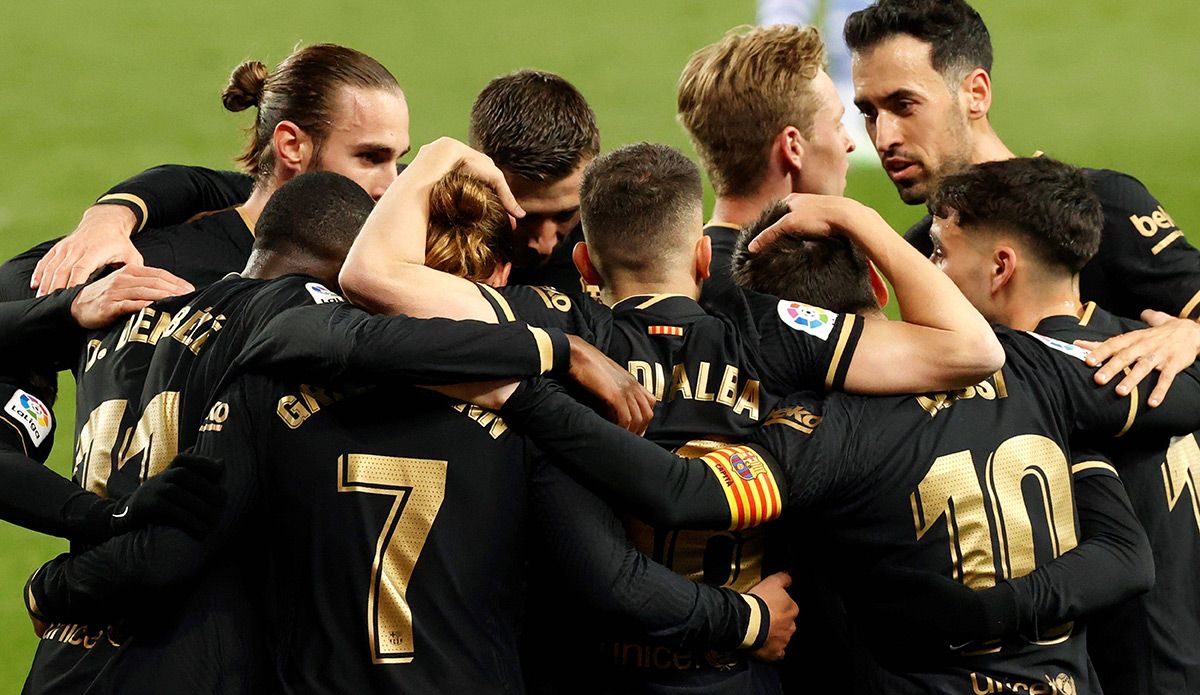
93, 93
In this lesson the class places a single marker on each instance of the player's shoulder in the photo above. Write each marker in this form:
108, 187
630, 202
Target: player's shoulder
293, 290
1121, 192
26, 421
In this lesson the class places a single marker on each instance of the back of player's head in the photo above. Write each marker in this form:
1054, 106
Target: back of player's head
736, 95
302, 89
1050, 205
534, 125
469, 231
641, 207
316, 215
830, 272
959, 40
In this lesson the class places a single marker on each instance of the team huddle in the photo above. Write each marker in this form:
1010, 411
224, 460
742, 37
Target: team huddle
514, 418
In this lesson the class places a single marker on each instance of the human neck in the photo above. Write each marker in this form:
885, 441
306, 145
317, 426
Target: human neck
624, 287
253, 207
988, 146
1030, 305
268, 265
743, 210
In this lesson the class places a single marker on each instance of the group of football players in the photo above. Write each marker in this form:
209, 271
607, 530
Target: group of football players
513, 418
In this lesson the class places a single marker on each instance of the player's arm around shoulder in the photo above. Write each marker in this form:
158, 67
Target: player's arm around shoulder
942, 341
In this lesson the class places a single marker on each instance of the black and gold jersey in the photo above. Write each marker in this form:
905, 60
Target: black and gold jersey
389, 544
201, 251
388, 524
1144, 260
557, 271
716, 373
171, 194
1146, 645
906, 482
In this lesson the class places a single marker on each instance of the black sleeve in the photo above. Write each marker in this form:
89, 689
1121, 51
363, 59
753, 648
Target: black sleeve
117, 578
653, 484
547, 307
35, 497
1098, 410
801, 347
918, 236
1112, 563
339, 342
171, 194
1143, 252
41, 327
587, 543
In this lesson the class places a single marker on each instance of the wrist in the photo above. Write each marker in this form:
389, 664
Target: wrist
1000, 612
758, 624
128, 212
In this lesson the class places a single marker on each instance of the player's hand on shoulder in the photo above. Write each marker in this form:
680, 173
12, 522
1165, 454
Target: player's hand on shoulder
1168, 346
101, 238
783, 611
187, 495
627, 403
122, 292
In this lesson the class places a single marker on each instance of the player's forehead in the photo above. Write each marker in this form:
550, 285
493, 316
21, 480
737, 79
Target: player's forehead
548, 197
898, 63
370, 116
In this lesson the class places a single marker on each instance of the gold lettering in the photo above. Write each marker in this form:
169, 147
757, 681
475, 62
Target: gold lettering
642, 372
139, 326
748, 401
680, 383
95, 444
199, 341
292, 412
155, 437
702, 392
727, 394
1180, 473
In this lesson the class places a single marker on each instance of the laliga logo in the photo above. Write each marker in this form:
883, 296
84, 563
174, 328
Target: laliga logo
807, 316
36, 410
742, 467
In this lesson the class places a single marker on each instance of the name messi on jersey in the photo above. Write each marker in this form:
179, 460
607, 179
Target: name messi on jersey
742, 398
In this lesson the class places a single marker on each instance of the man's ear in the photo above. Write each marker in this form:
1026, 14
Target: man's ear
293, 149
583, 263
703, 257
499, 276
878, 284
789, 148
977, 93
1003, 268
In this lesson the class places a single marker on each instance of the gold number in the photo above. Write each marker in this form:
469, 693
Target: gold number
1180, 473
155, 437
94, 449
1038, 458
951, 490
419, 486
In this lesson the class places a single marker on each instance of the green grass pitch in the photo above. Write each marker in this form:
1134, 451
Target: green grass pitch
95, 92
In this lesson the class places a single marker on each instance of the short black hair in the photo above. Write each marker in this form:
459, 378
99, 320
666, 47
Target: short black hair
535, 125
636, 203
958, 38
831, 273
1050, 204
318, 214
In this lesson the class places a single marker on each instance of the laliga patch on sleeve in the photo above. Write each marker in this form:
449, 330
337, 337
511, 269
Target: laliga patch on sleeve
322, 294
807, 318
33, 415
1066, 348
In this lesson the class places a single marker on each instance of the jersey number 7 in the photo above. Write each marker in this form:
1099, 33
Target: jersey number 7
419, 486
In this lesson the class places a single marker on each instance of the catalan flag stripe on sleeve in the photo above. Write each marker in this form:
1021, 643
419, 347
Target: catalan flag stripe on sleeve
665, 330
750, 487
